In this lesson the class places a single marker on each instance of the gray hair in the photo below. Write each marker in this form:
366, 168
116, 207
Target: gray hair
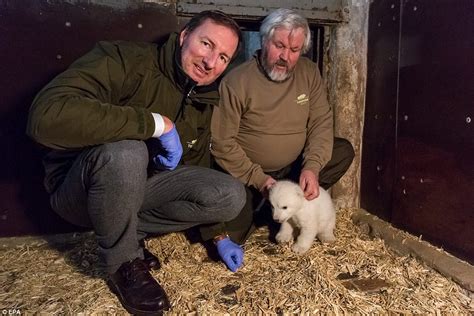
287, 19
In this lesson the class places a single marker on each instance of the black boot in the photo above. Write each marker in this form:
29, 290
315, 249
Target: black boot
150, 259
137, 290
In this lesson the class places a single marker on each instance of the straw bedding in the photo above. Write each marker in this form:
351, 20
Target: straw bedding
356, 275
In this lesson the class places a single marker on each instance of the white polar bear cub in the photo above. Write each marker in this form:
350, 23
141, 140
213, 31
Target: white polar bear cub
314, 218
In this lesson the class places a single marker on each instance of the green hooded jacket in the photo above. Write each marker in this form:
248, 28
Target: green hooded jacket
109, 94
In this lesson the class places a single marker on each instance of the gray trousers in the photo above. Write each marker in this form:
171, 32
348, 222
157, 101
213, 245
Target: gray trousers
108, 190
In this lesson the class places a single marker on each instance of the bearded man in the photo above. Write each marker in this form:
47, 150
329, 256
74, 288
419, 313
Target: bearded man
273, 121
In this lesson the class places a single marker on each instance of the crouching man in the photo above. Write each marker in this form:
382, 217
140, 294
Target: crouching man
128, 129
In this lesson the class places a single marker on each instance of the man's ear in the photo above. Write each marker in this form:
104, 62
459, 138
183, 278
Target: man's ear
182, 36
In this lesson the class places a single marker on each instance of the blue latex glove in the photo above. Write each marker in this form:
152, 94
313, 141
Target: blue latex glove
170, 152
231, 253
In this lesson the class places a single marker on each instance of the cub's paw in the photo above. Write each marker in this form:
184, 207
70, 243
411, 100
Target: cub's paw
327, 237
300, 248
283, 237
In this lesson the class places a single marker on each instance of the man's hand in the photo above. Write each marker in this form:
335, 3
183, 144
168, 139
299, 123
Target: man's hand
265, 188
231, 253
309, 183
170, 151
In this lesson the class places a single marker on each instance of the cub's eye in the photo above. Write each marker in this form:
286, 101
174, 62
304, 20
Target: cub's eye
284, 207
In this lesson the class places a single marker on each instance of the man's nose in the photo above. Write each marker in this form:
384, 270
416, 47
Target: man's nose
210, 60
284, 54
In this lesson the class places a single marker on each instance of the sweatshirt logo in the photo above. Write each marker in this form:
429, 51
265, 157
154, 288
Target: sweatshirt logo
302, 99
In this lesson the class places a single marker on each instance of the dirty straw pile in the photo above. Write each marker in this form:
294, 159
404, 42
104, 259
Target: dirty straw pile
355, 275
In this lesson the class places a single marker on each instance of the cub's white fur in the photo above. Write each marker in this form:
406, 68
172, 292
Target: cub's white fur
314, 218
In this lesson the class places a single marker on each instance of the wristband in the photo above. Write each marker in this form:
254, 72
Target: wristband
159, 125
219, 238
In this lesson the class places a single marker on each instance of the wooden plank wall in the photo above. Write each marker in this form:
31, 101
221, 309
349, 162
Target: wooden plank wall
39, 39
418, 166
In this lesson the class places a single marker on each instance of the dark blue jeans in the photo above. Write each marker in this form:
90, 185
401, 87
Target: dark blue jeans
107, 188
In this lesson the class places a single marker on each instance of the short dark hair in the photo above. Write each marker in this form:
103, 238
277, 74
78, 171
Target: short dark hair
217, 17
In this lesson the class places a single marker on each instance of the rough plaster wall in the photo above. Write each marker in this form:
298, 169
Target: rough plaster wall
346, 77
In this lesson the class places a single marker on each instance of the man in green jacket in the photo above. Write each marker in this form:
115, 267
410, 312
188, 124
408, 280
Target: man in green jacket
273, 121
128, 129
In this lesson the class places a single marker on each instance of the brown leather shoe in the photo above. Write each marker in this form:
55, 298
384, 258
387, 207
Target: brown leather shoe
137, 290
150, 259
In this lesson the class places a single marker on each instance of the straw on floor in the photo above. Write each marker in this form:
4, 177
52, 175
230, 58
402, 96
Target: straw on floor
356, 274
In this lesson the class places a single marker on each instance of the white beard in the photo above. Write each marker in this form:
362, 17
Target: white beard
278, 76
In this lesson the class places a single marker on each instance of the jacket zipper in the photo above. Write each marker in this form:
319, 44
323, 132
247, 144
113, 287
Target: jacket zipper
183, 99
